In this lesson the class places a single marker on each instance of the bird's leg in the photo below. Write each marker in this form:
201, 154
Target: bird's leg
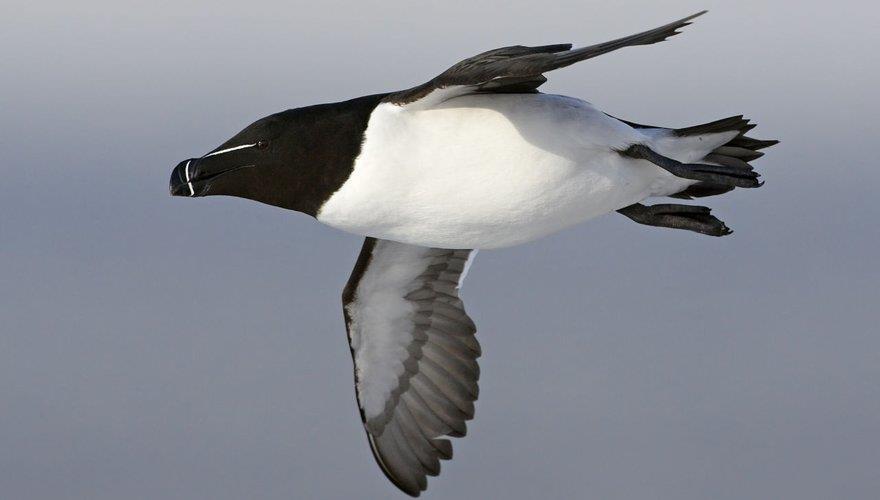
718, 174
692, 218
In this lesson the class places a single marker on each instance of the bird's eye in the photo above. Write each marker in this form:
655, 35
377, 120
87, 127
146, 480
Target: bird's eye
262, 144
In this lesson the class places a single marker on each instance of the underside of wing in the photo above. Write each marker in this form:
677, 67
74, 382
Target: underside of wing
415, 355
520, 68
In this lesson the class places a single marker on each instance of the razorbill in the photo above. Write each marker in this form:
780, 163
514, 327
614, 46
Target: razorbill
474, 158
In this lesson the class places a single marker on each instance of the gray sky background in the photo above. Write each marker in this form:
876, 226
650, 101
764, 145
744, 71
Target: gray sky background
153, 347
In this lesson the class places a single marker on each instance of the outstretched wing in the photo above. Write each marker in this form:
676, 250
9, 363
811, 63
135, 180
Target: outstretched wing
519, 68
414, 354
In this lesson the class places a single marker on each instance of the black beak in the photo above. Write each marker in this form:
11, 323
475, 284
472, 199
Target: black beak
181, 178
199, 176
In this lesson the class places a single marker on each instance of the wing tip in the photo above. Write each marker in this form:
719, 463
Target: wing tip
411, 490
675, 26
694, 16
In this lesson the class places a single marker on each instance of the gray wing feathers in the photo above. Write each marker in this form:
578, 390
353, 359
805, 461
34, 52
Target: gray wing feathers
520, 69
434, 396
644, 38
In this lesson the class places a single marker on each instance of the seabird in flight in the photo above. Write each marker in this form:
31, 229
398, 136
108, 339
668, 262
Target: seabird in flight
475, 158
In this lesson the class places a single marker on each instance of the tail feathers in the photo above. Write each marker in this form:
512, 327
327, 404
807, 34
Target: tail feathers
753, 144
738, 152
734, 123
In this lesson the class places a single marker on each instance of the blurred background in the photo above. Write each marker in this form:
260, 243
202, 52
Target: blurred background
157, 347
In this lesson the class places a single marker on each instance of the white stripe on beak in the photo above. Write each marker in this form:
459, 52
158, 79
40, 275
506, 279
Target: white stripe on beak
188, 183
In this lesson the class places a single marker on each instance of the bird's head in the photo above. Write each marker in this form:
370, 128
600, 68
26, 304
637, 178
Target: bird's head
294, 159
258, 163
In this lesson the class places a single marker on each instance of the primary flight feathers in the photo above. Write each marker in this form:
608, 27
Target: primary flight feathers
415, 355
519, 68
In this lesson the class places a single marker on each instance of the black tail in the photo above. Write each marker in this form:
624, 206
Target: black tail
737, 152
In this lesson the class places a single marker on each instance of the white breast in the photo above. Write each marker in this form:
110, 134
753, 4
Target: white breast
487, 171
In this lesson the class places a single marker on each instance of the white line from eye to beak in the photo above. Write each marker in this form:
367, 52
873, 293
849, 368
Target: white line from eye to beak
192, 191
230, 149
188, 183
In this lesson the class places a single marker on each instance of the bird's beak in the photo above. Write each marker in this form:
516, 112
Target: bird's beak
197, 176
182, 178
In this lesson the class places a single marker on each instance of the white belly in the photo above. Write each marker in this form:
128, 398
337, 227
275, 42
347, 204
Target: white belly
488, 171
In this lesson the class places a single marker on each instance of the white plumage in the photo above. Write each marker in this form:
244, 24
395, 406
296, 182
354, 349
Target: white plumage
495, 170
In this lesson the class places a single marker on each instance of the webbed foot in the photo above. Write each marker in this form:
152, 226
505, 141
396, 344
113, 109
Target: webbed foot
692, 218
733, 173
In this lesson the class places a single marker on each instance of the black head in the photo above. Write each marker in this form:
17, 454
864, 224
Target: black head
294, 159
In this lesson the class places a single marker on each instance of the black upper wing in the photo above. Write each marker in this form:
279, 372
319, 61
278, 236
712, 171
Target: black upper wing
520, 69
